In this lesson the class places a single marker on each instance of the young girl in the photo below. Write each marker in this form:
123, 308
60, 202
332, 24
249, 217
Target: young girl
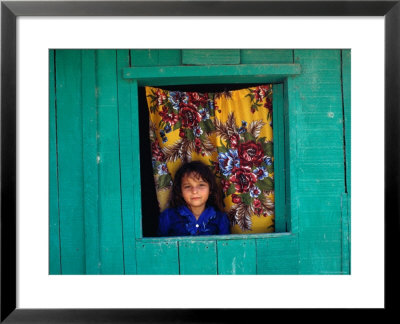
196, 204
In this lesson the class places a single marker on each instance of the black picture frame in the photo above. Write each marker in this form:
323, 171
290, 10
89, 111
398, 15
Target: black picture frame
10, 10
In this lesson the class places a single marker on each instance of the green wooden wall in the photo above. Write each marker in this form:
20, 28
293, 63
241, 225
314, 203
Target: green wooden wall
94, 168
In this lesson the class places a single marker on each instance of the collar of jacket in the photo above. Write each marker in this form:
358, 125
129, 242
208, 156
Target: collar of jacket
208, 214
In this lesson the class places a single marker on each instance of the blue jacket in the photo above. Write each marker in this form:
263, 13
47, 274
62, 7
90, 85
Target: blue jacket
180, 221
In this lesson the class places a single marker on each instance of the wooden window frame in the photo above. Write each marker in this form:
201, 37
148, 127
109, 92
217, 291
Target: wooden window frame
281, 75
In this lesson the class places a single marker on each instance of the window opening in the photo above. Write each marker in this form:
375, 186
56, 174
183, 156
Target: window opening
253, 201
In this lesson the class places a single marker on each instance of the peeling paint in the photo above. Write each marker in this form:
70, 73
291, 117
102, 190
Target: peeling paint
234, 265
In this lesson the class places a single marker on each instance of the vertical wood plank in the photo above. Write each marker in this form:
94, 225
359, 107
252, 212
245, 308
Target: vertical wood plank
90, 166
196, 257
346, 88
137, 200
127, 167
144, 57
279, 158
170, 57
155, 57
54, 221
237, 257
346, 250
320, 147
111, 233
346, 201
291, 106
157, 258
69, 134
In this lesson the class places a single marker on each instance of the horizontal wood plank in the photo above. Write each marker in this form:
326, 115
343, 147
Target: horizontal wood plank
210, 56
278, 256
263, 56
152, 74
210, 237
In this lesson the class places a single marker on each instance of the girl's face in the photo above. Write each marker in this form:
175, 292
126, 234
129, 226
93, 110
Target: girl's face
195, 191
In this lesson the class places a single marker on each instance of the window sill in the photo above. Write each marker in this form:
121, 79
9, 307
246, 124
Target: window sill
213, 237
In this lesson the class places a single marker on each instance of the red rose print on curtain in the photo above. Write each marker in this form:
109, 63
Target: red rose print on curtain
230, 131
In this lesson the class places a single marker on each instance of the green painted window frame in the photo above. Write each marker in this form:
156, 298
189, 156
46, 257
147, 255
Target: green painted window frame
281, 75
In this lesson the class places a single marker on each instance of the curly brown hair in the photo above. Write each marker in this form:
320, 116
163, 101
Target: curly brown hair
204, 172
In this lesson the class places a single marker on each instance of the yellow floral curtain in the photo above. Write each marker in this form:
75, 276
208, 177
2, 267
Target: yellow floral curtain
231, 132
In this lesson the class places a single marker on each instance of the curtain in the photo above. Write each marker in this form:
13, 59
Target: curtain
231, 132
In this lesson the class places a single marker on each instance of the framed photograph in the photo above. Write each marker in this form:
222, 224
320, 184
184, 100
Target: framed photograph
286, 103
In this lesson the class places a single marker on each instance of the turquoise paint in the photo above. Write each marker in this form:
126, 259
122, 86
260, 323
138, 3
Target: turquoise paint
157, 258
210, 56
346, 198
110, 209
136, 160
237, 257
100, 202
263, 56
127, 169
279, 158
155, 57
68, 78
147, 74
278, 256
319, 90
54, 217
198, 257
90, 165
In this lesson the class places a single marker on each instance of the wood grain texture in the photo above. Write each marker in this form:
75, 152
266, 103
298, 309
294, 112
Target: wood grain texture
90, 165
144, 57
155, 57
262, 56
210, 56
54, 216
279, 158
70, 164
212, 71
346, 198
127, 167
137, 198
346, 235
198, 257
323, 211
111, 232
346, 88
236, 257
157, 258
278, 255
292, 105
94, 152
320, 164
